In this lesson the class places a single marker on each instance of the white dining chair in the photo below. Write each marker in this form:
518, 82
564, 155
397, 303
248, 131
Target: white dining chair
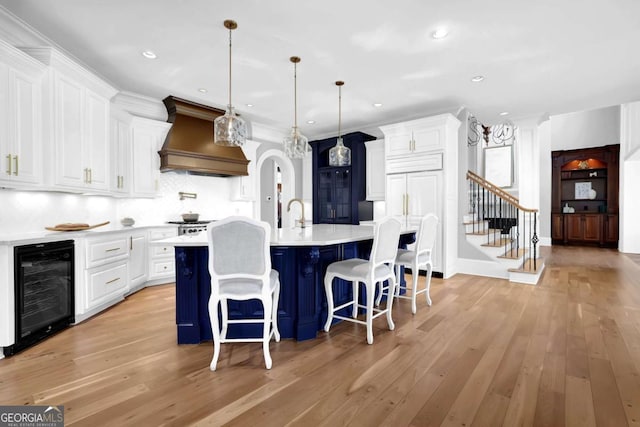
377, 269
419, 257
240, 269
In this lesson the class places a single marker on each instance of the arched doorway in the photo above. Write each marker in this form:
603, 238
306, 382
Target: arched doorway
267, 169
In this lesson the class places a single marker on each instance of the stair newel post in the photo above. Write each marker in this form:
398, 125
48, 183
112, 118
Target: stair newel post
518, 222
535, 240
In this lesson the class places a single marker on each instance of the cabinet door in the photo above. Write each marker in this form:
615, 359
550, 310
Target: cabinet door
557, 226
375, 172
592, 227
342, 196
72, 168
423, 196
427, 139
25, 128
120, 179
96, 140
137, 260
611, 232
325, 197
574, 227
146, 162
396, 190
398, 143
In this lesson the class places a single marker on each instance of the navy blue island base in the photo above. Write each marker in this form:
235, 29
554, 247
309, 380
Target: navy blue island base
302, 309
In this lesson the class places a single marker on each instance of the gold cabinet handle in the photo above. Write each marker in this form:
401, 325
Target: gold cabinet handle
407, 203
15, 159
130, 243
112, 249
90, 177
112, 280
8, 164
86, 176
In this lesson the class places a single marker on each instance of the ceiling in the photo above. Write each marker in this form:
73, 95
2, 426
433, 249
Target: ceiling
542, 57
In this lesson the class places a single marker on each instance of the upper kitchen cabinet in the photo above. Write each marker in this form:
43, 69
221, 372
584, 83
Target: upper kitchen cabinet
147, 138
76, 123
120, 175
375, 170
20, 118
339, 192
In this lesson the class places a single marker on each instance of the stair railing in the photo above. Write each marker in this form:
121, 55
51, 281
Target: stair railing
509, 224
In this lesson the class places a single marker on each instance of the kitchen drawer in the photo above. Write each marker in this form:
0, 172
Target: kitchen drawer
104, 251
161, 268
106, 282
159, 234
161, 251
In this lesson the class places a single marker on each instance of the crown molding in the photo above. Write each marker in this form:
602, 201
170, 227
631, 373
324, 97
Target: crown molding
141, 106
18, 33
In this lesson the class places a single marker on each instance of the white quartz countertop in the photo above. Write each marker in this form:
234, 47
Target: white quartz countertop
314, 235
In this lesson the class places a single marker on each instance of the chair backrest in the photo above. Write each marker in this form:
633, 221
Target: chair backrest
427, 233
385, 241
239, 247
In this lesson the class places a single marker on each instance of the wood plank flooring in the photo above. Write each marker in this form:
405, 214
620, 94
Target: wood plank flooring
487, 353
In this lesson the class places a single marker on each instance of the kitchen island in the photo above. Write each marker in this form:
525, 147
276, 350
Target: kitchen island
300, 255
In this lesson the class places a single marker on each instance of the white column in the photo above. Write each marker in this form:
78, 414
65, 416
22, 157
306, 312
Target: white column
629, 226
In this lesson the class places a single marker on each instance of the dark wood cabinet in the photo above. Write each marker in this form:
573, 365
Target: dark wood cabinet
339, 192
584, 201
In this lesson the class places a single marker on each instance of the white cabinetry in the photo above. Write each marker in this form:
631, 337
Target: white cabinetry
375, 170
421, 159
137, 260
147, 139
120, 176
243, 187
161, 257
20, 118
76, 112
410, 196
106, 277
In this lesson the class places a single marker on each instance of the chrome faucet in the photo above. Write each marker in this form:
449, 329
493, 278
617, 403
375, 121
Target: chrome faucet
301, 220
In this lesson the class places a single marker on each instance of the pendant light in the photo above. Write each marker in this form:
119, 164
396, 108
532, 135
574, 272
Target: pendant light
229, 130
339, 155
296, 145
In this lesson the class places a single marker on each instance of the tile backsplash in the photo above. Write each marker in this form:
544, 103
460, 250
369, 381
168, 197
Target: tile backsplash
28, 211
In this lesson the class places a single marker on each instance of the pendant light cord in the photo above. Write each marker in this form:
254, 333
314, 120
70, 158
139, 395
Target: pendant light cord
339, 111
230, 67
295, 96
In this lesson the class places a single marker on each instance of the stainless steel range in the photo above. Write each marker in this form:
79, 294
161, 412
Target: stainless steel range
192, 227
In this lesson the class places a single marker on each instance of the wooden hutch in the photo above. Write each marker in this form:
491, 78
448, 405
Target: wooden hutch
584, 199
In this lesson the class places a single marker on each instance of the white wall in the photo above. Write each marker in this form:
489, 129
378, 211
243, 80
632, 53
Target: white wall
584, 129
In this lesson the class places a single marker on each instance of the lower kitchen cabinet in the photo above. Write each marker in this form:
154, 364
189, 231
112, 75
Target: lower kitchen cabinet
585, 228
162, 266
105, 283
137, 260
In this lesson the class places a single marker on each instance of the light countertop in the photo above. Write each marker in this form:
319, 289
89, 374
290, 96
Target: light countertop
314, 235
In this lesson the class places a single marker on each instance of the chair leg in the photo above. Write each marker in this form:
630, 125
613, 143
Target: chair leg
371, 287
415, 275
392, 286
379, 286
355, 288
224, 309
397, 269
266, 330
429, 268
328, 282
215, 328
274, 313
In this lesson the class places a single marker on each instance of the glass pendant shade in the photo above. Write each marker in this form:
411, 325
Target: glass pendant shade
229, 130
339, 155
296, 145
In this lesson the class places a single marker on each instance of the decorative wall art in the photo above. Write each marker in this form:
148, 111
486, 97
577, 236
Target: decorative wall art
498, 165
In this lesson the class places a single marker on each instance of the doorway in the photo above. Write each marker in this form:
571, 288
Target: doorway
276, 187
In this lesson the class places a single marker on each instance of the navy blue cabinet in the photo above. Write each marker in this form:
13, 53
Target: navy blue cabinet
339, 193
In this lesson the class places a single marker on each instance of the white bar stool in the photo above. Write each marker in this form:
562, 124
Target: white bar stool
377, 269
240, 269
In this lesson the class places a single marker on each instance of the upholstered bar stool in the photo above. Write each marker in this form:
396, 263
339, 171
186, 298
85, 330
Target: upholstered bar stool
377, 269
417, 258
240, 268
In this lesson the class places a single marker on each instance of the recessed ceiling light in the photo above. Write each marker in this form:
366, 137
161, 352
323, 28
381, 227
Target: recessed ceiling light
477, 79
249, 105
310, 122
149, 54
504, 113
440, 33
202, 90
377, 104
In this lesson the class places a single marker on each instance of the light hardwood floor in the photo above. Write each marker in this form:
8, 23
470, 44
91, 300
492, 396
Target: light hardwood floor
487, 353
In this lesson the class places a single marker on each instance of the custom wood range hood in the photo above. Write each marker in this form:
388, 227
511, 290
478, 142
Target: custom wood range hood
189, 144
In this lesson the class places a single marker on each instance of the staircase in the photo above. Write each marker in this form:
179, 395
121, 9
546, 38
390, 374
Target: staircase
504, 230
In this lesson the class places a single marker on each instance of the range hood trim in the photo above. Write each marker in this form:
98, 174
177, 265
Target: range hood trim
189, 143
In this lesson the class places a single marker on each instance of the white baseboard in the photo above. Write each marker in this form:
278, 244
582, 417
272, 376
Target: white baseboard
481, 268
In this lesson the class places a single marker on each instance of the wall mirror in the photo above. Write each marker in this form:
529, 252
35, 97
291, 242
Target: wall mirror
498, 165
